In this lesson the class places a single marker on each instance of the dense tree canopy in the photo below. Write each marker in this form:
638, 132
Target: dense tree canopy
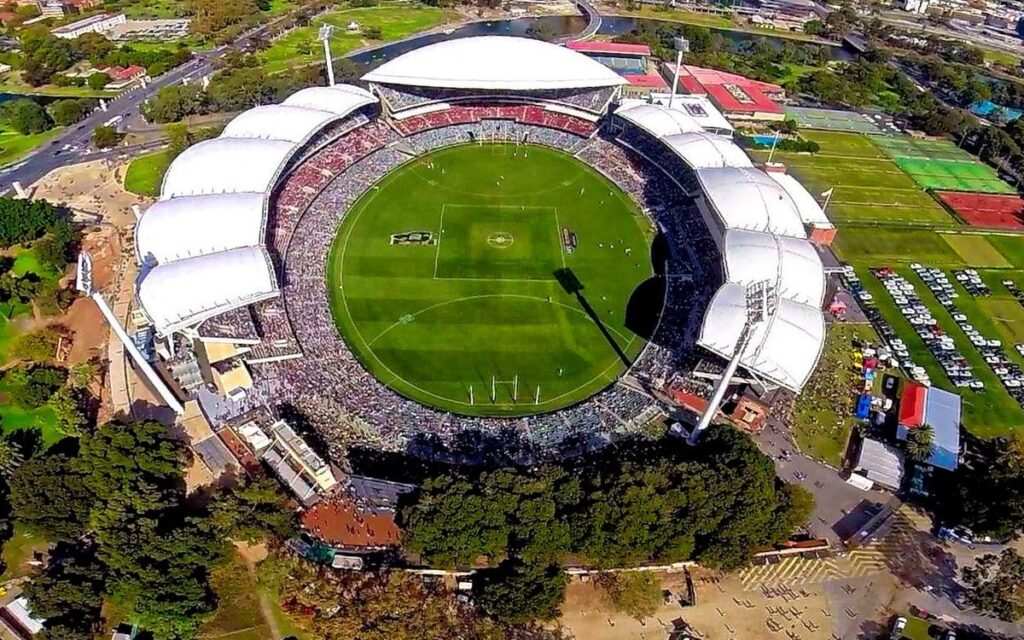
520, 592
987, 494
996, 585
25, 220
48, 493
25, 116
639, 503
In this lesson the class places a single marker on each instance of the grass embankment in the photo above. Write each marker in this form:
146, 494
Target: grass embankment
14, 146
823, 417
714, 21
300, 46
145, 174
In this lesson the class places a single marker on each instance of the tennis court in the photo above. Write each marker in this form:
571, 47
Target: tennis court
939, 164
986, 209
832, 120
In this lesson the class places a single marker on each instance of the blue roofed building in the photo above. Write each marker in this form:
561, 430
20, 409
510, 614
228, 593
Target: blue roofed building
942, 413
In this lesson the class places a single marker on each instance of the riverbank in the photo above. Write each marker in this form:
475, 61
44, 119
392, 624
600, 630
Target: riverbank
710, 20
52, 91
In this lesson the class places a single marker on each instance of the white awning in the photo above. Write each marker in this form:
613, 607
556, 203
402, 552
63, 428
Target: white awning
186, 292
808, 207
495, 63
791, 263
278, 122
657, 120
784, 350
226, 165
341, 99
702, 150
191, 226
746, 198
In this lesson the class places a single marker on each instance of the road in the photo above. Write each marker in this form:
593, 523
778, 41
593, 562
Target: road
73, 145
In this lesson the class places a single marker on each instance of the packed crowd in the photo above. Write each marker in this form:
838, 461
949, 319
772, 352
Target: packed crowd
329, 384
401, 98
524, 114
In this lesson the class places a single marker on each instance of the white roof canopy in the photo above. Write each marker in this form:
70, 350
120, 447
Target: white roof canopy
341, 99
495, 63
748, 199
784, 350
278, 122
657, 120
792, 263
702, 150
226, 165
186, 292
196, 225
808, 207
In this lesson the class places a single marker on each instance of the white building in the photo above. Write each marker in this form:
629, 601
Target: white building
93, 24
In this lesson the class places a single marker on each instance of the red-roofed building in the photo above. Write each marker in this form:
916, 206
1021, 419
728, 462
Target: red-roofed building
734, 95
123, 77
912, 405
641, 85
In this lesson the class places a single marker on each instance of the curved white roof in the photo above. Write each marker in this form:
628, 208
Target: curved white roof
658, 120
785, 349
186, 292
748, 199
196, 225
810, 211
226, 165
702, 150
341, 99
795, 266
278, 122
495, 63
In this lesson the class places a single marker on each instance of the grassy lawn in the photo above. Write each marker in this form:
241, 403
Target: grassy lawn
432, 319
869, 187
12, 84
14, 146
976, 251
987, 414
824, 415
1001, 57
709, 20
18, 551
238, 605
884, 246
145, 174
14, 418
300, 47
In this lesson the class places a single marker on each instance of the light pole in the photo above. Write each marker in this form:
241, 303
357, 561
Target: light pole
682, 46
326, 31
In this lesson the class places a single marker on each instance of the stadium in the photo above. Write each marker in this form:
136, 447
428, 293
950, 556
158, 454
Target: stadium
482, 239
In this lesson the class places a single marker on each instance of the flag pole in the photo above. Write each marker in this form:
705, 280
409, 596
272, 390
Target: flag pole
775, 143
471, 395
536, 397
515, 388
828, 197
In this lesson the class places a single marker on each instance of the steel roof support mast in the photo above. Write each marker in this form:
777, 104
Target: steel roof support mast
761, 304
326, 31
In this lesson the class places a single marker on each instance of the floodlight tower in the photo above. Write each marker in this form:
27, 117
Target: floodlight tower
682, 45
326, 31
83, 282
761, 304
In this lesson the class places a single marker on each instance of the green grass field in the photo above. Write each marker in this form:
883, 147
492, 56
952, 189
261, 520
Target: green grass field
976, 251
939, 164
14, 146
299, 47
823, 419
869, 187
480, 299
145, 174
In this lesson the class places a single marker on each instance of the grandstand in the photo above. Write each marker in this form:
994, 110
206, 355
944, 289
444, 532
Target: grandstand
235, 249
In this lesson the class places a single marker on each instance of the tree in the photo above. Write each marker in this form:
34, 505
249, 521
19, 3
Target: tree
97, 81
920, 443
372, 32
105, 136
48, 492
31, 386
94, 47
987, 494
253, 511
814, 27
10, 457
83, 374
517, 592
38, 346
68, 112
67, 406
995, 584
377, 606
22, 221
637, 594
25, 116
69, 593
212, 16
173, 103
57, 248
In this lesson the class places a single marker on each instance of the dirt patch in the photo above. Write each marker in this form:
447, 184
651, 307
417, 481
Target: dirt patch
94, 188
724, 611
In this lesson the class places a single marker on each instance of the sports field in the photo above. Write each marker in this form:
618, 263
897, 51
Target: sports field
478, 277
940, 164
832, 120
868, 186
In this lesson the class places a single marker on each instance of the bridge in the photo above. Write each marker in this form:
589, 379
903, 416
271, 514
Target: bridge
589, 12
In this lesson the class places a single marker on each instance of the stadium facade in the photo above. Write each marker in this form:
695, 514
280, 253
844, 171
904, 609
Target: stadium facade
244, 221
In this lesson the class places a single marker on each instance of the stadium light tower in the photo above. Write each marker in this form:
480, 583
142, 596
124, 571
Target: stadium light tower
83, 282
761, 304
326, 31
682, 46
